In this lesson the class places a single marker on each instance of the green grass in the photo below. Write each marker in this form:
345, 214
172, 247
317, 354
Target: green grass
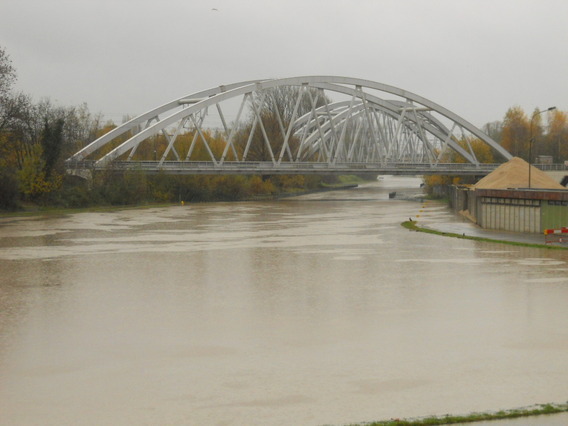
350, 179
347, 181
413, 226
537, 410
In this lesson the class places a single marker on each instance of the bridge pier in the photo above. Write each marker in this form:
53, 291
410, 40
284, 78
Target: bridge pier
85, 174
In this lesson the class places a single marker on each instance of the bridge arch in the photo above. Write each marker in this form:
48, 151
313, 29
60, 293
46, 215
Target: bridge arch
363, 126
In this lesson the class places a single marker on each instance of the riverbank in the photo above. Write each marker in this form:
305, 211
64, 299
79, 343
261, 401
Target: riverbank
533, 411
34, 210
47, 211
524, 240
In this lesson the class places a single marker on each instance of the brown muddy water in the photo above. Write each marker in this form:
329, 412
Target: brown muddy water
319, 309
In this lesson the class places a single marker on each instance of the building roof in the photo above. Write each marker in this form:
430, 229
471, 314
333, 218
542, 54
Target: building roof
515, 174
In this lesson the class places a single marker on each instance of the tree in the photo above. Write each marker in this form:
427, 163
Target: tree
494, 130
482, 151
516, 132
8, 179
51, 142
34, 183
556, 139
80, 128
13, 106
7, 74
282, 101
272, 111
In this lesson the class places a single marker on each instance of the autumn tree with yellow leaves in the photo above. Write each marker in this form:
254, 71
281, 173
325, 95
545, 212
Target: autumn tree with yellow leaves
476, 147
548, 132
515, 133
555, 142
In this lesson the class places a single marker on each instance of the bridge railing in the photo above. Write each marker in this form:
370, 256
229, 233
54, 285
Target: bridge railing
295, 167
268, 167
552, 167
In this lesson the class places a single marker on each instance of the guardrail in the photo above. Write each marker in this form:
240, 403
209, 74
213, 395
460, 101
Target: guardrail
559, 236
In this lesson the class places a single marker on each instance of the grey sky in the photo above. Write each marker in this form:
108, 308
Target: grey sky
475, 57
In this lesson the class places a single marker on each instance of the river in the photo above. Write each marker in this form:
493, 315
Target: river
318, 309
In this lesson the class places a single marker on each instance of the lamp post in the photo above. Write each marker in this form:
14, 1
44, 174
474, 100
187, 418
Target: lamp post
537, 112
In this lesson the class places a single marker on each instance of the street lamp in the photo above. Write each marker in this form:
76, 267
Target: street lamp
537, 112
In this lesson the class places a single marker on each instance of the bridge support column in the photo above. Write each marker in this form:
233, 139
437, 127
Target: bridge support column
85, 174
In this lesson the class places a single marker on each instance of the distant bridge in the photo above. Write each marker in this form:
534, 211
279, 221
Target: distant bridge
299, 125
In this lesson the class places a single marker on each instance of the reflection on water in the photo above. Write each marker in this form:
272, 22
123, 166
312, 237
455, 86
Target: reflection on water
319, 309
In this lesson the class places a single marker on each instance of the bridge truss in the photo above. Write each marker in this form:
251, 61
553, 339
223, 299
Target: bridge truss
314, 124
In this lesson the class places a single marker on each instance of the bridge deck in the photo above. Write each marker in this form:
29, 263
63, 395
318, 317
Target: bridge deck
269, 168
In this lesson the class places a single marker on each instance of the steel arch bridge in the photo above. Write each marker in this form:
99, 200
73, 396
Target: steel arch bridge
298, 125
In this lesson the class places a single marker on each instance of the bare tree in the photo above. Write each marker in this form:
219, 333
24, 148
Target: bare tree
272, 111
7, 74
13, 106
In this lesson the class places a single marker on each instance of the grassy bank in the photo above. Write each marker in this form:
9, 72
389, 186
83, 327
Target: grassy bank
413, 226
537, 410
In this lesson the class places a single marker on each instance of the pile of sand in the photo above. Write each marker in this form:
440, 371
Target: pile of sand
515, 174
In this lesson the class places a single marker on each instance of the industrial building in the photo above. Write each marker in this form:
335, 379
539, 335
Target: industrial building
515, 197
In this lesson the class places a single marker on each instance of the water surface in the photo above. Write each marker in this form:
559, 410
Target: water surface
319, 309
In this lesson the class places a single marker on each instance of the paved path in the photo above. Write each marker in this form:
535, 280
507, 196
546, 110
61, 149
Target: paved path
472, 230
431, 218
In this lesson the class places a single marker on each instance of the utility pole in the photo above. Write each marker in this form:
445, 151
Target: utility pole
537, 112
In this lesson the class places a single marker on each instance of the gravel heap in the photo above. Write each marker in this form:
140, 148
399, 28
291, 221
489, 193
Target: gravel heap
515, 174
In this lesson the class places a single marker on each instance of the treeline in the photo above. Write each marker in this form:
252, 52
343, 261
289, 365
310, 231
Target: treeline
36, 138
545, 130
130, 188
543, 133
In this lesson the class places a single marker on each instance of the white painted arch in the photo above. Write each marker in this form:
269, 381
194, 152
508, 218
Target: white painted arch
410, 127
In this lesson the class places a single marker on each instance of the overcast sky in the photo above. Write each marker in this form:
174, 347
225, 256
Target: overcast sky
474, 57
